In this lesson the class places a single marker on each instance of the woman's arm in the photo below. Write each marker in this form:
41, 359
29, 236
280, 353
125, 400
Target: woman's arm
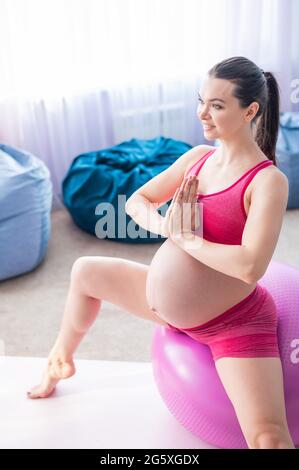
248, 261
143, 204
145, 214
232, 260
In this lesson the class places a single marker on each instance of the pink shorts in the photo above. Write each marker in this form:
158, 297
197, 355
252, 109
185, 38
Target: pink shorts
248, 329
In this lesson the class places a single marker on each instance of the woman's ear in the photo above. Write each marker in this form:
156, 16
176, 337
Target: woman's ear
251, 111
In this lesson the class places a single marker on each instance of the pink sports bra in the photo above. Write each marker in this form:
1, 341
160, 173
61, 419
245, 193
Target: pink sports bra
223, 215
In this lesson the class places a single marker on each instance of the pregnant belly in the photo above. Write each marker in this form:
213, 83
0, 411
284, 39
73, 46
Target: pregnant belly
185, 292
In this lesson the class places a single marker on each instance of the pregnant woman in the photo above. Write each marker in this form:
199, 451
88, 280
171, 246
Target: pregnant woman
203, 280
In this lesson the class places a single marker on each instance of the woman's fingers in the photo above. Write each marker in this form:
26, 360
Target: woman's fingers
190, 188
173, 201
186, 193
186, 185
193, 190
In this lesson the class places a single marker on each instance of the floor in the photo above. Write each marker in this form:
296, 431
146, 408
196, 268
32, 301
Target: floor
106, 405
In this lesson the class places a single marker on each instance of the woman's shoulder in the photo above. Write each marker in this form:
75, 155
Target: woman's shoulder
270, 177
198, 152
269, 169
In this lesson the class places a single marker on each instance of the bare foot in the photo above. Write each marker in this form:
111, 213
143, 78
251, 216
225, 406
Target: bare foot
58, 368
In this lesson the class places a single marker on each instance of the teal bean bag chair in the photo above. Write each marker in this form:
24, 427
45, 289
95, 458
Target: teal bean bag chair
25, 205
98, 184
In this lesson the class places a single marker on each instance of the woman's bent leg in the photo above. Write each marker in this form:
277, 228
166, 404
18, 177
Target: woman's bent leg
93, 279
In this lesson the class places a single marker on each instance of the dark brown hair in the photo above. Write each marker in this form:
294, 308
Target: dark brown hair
253, 84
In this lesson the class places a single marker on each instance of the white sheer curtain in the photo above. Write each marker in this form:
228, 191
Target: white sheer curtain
81, 75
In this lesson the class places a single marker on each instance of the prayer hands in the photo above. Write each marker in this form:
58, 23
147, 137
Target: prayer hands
183, 212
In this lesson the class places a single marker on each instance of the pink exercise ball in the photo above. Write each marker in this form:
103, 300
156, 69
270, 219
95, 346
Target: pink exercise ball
188, 382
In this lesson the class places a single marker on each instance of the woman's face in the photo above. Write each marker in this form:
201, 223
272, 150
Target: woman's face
223, 115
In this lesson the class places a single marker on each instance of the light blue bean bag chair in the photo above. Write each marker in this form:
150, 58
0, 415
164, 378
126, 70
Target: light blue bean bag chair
25, 205
287, 154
